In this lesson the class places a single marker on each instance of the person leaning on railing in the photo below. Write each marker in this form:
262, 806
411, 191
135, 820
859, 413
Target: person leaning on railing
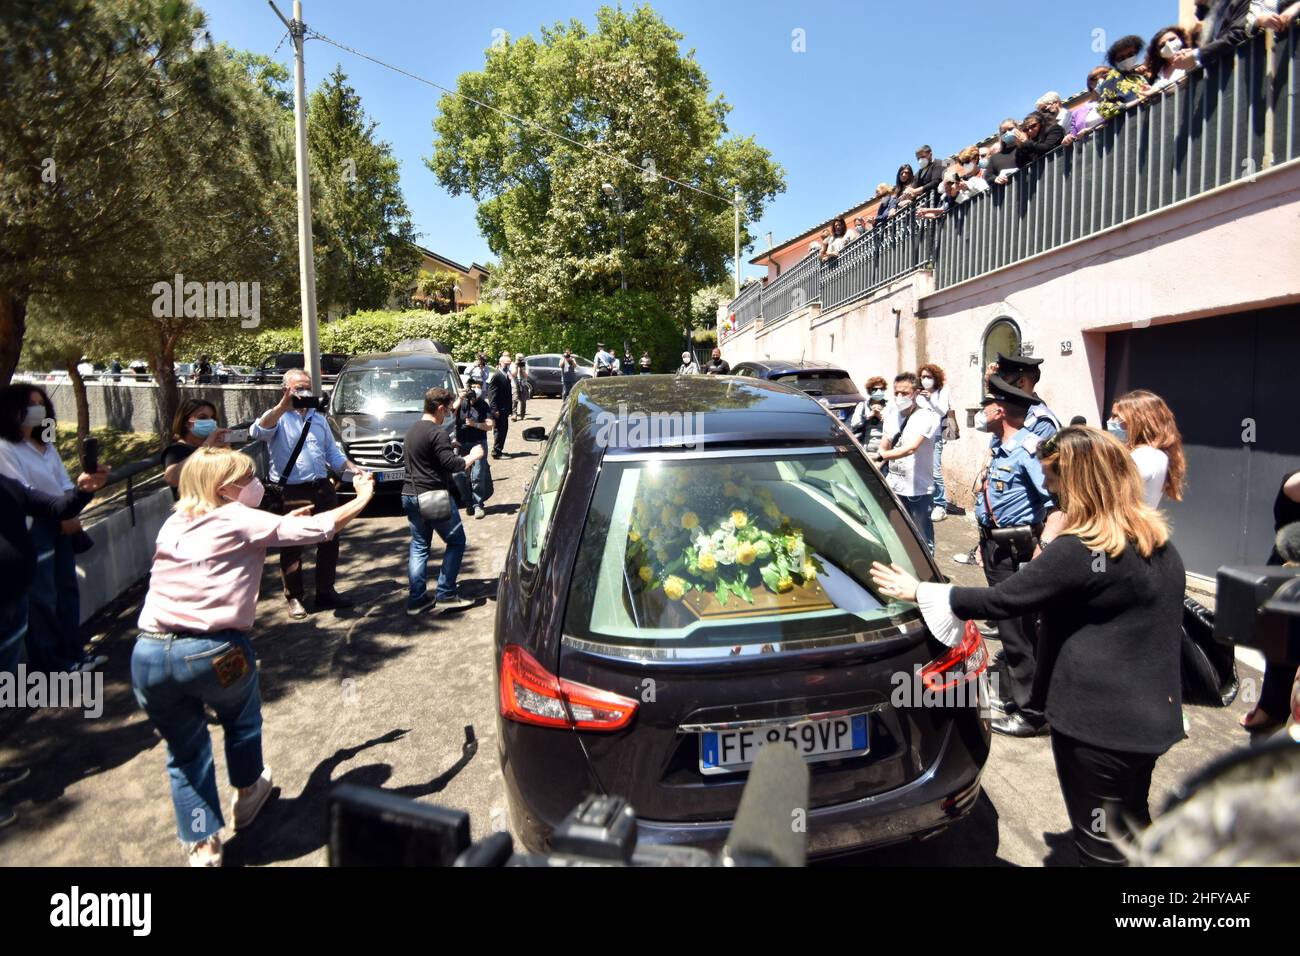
1037, 136
1164, 46
1123, 85
1109, 590
194, 648
1085, 117
195, 426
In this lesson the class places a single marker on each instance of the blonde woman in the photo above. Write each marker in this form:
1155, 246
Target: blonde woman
1109, 588
194, 650
1144, 423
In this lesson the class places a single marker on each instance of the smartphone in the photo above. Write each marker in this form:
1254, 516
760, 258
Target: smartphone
236, 435
306, 401
90, 455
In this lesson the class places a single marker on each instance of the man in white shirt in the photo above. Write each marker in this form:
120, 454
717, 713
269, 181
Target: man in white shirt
606, 364
908, 447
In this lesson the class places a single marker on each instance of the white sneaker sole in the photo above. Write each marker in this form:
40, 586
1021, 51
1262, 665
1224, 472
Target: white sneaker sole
246, 813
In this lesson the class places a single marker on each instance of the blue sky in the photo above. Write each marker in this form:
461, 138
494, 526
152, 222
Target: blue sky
875, 79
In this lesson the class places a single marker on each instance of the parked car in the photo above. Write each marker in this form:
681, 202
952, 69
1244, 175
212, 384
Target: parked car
273, 367
377, 398
829, 384
660, 685
544, 372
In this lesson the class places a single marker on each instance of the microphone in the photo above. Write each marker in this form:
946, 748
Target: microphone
1287, 543
773, 814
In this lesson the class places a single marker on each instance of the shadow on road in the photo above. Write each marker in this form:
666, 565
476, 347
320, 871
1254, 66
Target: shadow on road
972, 842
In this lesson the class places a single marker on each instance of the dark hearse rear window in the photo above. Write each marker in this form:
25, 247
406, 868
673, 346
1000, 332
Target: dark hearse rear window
691, 549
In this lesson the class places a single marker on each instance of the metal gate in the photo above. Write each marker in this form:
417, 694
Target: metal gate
1231, 382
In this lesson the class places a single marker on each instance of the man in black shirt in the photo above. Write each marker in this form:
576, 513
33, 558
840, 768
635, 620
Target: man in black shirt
497, 394
717, 365
430, 464
474, 421
929, 174
1002, 164
628, 364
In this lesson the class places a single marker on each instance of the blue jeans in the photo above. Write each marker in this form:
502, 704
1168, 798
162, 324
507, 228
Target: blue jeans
940, 495
13, 631
918, 507
478, 475
452, 532
173, 679
54, 604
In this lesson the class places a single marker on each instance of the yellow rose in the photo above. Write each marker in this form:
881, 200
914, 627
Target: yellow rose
675, 588
708, 563
633, 536
690, 520
645, 574
667, 516
746, 553
739, 519
785, 584
809, 571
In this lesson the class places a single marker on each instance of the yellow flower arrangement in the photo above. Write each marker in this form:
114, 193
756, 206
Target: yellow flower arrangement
746, 553
690, 520
739, 519
708, 563
784, 584
645, 574
674, 588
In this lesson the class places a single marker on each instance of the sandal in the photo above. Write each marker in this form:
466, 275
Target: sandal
1259, 722
206, 852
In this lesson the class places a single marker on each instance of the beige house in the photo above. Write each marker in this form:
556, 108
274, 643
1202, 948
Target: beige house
469, 279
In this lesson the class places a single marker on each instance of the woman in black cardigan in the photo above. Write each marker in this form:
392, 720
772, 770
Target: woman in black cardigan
1110, 590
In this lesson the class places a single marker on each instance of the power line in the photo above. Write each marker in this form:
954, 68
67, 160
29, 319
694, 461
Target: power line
309, 33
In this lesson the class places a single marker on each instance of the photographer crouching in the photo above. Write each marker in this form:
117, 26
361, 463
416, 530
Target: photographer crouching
302, 452
194, 650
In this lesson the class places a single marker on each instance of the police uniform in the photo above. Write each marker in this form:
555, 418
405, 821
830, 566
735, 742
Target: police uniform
1011, 505
1040, 419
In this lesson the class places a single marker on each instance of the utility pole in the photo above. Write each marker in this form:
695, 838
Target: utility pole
735, 205
306, 256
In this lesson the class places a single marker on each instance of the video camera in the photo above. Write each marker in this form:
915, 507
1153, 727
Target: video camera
1259, 607
369, 827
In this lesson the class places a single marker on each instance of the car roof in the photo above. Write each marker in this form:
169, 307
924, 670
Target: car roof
779, 366
380, 360
730, 410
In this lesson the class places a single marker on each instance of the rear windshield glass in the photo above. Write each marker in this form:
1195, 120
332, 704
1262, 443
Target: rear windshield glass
819, 383
381, 391
703, 550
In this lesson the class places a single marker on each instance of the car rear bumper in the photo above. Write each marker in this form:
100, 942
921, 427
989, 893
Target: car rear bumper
943, 794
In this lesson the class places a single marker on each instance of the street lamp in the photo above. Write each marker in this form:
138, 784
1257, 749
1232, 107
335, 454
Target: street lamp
609, 190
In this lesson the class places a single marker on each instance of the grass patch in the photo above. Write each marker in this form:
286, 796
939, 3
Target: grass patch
115, 447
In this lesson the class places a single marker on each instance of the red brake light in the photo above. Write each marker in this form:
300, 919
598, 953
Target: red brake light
531, 694
964, 662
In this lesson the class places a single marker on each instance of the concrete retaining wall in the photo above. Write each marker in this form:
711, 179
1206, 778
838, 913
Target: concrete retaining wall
123, 551
133, 407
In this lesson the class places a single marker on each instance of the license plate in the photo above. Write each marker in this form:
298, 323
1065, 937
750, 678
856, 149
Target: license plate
393, 474
728, 751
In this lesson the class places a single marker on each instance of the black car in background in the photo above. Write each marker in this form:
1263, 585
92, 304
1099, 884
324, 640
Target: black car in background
629, 663
544, 372
272, 368
829, 384
377, 398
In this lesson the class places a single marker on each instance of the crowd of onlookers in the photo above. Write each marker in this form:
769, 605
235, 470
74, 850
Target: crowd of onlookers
1136, 71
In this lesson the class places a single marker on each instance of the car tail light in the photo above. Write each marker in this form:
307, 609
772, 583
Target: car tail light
531, 694
964, 662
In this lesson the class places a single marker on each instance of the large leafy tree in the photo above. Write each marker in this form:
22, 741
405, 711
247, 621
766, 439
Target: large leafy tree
362, 231
623, 93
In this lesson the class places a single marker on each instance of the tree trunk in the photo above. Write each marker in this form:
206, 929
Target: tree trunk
13, 324
83, 407
164, 375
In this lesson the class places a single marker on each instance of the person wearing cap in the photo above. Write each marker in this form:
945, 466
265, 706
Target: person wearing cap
1023, 373
606, 364
1011, 507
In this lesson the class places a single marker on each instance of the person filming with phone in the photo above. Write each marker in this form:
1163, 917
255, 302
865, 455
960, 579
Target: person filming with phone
302, 452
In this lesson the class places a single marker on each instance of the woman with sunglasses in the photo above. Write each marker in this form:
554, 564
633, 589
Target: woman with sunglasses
1109, 589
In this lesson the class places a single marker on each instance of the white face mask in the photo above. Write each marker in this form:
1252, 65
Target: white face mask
1129, 65
927, 384
1171, 47
251, 494
903, 402
34, 417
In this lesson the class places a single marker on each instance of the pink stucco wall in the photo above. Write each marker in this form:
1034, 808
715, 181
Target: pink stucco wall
1229, 251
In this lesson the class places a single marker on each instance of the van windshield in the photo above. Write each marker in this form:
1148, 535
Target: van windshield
709, 549
383, 391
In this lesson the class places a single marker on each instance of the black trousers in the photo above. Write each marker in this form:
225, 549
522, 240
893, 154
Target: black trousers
319, 494
501, 425
1105, 795
1275, 695
1019, 636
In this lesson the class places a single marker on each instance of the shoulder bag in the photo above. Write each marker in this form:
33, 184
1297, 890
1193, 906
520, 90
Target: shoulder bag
273, 499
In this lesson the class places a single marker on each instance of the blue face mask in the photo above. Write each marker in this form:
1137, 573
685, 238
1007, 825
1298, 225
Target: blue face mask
984, 163
1118, 430
1009, 137
203, 427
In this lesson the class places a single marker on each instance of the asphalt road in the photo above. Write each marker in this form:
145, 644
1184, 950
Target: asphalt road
373, 697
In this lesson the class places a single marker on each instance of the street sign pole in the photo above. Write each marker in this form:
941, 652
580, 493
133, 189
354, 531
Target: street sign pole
306, 256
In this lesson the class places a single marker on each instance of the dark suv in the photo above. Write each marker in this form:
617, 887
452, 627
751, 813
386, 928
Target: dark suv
273, 367
829, 384
689, 580
377, 398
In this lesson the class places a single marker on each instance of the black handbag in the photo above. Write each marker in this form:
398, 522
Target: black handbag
1209, 667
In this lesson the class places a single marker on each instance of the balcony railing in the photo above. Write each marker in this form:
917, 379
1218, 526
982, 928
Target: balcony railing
1224, 124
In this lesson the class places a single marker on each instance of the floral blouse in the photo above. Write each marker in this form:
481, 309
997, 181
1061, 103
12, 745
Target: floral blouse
1117, 90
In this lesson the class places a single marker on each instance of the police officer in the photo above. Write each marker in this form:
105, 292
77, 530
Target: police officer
1023, 373
1011, 505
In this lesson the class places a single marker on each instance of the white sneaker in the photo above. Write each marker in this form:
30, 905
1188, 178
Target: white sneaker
966, 557
247, 808
938, 514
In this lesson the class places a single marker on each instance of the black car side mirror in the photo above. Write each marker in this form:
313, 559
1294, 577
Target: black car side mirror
536, 433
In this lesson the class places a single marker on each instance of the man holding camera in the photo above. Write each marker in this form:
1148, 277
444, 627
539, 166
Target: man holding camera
474, 423
302, 450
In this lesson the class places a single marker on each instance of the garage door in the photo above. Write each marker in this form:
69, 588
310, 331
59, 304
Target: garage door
1217, 374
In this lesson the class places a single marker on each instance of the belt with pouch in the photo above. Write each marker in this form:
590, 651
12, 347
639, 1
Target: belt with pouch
178, 635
